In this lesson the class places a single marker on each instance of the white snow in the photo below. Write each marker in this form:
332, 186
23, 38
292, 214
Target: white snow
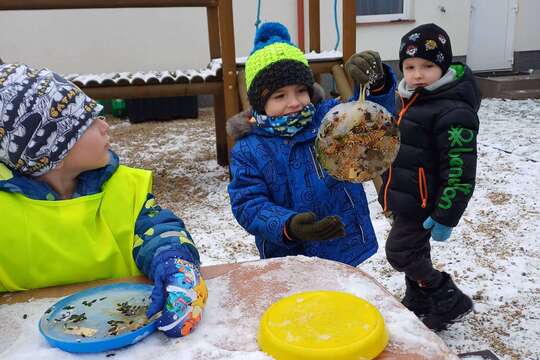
232, 314
210, 70
493, 254
311, 56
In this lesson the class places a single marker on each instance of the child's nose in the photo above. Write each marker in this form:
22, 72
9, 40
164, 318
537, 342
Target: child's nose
294, 102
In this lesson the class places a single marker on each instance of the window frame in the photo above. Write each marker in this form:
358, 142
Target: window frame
406, 15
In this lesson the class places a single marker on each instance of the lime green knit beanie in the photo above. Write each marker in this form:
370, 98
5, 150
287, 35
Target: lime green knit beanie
274, 63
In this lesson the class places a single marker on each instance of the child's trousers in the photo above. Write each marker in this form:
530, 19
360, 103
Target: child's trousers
408, 250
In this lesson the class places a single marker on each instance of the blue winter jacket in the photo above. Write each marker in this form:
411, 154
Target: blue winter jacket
274, 178
157, 245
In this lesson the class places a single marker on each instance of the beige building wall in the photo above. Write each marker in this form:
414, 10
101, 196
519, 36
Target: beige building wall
385, 37
527, 35
111, 40
87, 41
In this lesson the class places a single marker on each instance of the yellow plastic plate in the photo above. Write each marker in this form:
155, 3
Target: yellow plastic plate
322, 325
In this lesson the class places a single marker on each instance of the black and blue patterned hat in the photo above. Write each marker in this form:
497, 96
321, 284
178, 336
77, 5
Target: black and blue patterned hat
42, 115
429, 42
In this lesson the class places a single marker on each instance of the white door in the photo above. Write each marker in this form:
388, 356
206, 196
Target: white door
491, 34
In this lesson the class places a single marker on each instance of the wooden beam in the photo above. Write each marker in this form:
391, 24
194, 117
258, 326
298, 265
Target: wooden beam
323, 67
342, 83
222, 144
349, 28
300, 22
100, 4
228, 57
314, 25
213, 32
242, 90
153, 91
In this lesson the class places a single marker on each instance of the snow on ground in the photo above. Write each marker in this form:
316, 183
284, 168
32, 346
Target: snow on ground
493, 254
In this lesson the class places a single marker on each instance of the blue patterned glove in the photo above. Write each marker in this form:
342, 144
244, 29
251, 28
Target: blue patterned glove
439, 232
185, 290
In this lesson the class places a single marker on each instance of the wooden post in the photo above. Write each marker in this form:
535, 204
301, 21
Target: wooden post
230, 84
213, 32
342, 83
314, 25
242, 90
212, 14
221, 132
315, 29
300, 20
349, 29
349, 32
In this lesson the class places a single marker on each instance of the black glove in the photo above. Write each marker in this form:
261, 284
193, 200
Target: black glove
305, 227
366, 67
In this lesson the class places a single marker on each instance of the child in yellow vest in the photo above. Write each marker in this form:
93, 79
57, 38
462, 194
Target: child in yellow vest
71, 213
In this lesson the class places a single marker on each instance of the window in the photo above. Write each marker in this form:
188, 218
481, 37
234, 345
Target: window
383, 10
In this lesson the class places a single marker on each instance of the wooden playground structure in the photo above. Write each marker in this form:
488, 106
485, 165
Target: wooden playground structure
219, 79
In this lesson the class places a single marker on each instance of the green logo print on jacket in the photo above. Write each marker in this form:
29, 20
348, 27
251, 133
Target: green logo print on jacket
459, 137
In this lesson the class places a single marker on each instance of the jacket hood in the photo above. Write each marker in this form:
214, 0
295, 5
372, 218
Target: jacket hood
463, 87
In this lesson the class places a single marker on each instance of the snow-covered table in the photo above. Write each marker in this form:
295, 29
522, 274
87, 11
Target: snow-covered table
238, 295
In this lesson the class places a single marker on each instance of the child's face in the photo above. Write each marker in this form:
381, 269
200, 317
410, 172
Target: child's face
287, 100
419, 72
92, 150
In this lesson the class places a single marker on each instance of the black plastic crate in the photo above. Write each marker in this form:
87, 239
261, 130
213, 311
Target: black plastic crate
165, 108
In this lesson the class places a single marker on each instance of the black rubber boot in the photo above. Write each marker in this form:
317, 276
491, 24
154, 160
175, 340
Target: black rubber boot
414, 299
448, 304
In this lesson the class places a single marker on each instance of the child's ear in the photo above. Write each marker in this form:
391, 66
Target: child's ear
59, 165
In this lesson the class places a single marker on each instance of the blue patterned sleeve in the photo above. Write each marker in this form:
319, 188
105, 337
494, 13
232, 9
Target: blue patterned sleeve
323, 107
387, 98
161, 235
251, 202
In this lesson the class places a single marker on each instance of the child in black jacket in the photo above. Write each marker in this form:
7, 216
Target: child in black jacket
432, 178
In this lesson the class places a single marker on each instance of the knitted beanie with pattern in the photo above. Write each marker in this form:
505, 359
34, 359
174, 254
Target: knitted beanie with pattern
42, 116
429, 42
274, 63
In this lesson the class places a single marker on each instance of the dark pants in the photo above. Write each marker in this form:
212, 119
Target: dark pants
408, 250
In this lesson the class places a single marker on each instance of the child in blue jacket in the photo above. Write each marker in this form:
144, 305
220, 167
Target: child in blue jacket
71, 213
279, 192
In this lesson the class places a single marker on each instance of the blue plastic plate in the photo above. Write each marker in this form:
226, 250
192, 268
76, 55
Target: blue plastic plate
99, 319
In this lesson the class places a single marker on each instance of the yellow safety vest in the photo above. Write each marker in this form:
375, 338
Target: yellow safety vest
46, 243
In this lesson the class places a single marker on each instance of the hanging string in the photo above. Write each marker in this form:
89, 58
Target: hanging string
337, 25
258, 20
362, 97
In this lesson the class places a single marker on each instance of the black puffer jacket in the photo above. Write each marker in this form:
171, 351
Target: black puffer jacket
434, 171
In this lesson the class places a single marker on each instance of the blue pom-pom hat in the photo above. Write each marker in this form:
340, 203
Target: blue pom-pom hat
274, 63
